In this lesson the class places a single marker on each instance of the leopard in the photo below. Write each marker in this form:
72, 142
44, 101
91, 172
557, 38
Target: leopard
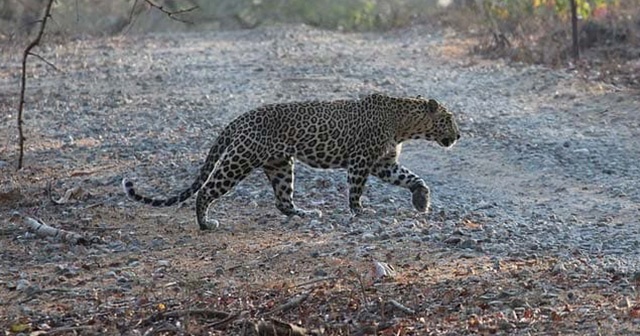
363, 136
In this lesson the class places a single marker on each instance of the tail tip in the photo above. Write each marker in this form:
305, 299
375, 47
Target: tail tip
127, 186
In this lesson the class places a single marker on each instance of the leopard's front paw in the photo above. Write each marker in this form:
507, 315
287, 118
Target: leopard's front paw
209, 224
362, 212
421, 199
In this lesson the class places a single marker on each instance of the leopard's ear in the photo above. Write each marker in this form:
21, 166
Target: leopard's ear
419, 97
432, 106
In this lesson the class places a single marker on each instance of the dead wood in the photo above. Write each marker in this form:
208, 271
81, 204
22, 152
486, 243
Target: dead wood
43, 230
67, 330
375, 329
294, 302
206, 313
278, 328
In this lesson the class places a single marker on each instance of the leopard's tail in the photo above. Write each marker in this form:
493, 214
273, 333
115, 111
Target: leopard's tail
210, 163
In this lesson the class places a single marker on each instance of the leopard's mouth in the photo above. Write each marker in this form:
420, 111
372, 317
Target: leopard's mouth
446, 142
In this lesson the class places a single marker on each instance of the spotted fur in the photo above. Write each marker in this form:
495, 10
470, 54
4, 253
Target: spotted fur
362, 136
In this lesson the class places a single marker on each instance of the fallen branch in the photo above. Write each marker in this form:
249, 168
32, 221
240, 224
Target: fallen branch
23, 83
68, 330
278, 328
207, 313
296, 301
220, 324
375, 329
43, 230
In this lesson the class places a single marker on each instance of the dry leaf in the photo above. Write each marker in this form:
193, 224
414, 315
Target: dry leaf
74, 192
19, 327
473, 322
471, 225
528, 313
382, 269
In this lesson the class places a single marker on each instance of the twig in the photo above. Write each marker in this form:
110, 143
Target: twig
223, 322
45, 61
133, 8
402, 307
361, 283
23, 83
171, 14
315, 281
33, 295
296, 301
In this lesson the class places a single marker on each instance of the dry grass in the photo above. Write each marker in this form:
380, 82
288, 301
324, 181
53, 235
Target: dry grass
610, 43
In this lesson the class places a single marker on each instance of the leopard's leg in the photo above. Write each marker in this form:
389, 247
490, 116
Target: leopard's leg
234, 165
389, 170
280, 173
357, 174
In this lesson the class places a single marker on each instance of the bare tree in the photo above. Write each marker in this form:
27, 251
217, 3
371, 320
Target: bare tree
23, 83
574, 30
169, 11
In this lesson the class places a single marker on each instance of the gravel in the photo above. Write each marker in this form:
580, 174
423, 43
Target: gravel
547, 161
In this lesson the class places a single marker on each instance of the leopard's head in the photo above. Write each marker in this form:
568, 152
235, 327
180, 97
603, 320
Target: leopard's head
427, 119
444, 127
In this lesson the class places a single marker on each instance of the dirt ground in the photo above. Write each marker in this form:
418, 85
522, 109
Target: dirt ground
534, 225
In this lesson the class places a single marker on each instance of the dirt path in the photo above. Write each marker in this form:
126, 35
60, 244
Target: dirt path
534, 227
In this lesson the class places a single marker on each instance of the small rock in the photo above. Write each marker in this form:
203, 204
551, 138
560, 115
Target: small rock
314, 223
625, 303
496, 303
320, 273
163, 263
506, 325
368, 236
22, 284
452, 240
468, 244
559, 268
11, 285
